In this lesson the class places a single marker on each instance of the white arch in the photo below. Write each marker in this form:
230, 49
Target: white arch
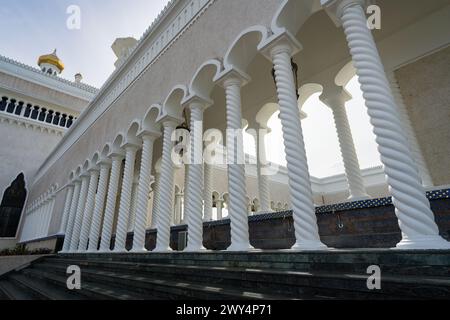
172, 105
202, 83
292, 14
244, 48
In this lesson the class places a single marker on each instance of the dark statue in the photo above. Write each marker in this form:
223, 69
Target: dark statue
11, 207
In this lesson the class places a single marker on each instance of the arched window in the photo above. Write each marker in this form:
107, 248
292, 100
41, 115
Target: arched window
35, 112
28, 110
63, 120
42, 114
70, 122
11, 106
11, 207
19, 108
3, 103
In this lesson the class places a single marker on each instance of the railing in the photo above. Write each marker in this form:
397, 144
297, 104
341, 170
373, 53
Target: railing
36, 113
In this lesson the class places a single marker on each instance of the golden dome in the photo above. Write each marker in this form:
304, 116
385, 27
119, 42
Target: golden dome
51, 59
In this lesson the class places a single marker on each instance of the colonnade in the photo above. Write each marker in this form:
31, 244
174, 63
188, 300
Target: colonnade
94, 192
38, 215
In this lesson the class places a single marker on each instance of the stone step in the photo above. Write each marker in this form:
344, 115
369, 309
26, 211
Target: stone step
43, 289
166, 288
13, 291
432, 263
311, 284
88, 290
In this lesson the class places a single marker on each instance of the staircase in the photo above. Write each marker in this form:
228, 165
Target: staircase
339, 274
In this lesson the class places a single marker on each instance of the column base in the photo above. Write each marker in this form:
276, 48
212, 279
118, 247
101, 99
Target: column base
359, 197
423, 243
192, 249
119, 251
102, 251
92, 251
240, 247
163, 250
309, 245
141, 250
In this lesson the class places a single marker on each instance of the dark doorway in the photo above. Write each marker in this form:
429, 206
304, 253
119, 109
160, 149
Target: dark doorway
11, 207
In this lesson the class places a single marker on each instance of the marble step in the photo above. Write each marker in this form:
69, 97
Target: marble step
285, 283
432, 263
13, 291
43, 289
88, 290
336, 284
165, 288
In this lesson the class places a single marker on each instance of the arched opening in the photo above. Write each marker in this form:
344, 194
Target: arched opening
11, 207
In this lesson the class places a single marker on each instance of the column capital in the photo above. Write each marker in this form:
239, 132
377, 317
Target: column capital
130, 146
335, 97
149, 135
170, 121
232, 77
335, 8
85, 174
196, 101
281, 42
104, 161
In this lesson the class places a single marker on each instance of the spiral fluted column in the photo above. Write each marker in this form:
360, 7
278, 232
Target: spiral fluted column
236, 168
72, 214
416, 220
133, 204
155, 208
66, 212
195, 181
79, 213
165, 187
305, 221
263, 179
125, 199
207, 192
111, 200
419, 159
142, 193
185, 193
89, 210
348, 151
105, 167
219, 205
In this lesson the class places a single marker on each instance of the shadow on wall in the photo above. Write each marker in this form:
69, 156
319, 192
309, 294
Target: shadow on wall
11, 207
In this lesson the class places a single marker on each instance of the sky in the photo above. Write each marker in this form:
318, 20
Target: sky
30, 28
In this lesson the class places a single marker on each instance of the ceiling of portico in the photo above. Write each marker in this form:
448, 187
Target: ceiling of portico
324, 47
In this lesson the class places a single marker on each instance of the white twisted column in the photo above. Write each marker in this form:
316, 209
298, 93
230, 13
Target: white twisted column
105, 167
236, 167
125, 198
66, 212
133, 204
108, 220
79, 213
165, 187
263, 179
416, 220
89, 210
419, 159
186, 193
155, 208
142, 193
305, 221
72, 215
207, 192
195, 179
336, 102
219, 205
